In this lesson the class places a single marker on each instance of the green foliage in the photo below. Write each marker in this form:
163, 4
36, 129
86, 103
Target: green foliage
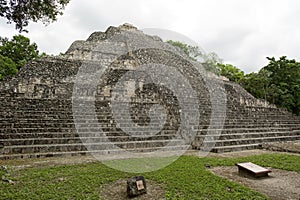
278, 83
7, 67
184, 47
231, 72
253, 84
18, 49
15, 53
284, 83
209, 61
21, 12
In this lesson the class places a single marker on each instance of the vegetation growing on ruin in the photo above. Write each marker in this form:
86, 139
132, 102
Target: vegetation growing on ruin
278, 82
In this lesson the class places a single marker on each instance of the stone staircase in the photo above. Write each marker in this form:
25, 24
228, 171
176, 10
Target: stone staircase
31, 128
248, 127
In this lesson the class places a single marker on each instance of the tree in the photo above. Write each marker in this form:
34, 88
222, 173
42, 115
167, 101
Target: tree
256, 84
209, 61
7, 67
284, 83
21, 12
184, 47
231, 72
278, 83
19, 50
15, 53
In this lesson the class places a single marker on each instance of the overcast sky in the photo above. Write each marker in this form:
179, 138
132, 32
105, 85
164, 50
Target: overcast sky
242, 33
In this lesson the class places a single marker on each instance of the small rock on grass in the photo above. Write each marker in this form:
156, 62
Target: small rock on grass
4, 168
6, 180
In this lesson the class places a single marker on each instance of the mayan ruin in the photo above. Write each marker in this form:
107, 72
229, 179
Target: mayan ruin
39, 110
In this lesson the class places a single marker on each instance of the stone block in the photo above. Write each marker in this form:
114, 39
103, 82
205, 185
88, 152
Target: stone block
136, 186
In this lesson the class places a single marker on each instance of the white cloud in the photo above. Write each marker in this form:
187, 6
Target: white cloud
241, 32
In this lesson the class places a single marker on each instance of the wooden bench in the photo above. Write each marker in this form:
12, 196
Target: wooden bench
252, 169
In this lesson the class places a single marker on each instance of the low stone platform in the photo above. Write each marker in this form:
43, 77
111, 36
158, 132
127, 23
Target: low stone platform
291, 147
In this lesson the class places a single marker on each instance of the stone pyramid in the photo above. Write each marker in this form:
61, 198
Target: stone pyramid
124, 91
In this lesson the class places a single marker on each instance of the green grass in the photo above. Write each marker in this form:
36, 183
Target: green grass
186, 178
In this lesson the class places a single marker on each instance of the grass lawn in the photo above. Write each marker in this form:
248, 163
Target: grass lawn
186, 178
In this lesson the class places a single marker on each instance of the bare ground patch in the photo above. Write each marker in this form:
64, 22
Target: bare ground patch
117, 191
279, 185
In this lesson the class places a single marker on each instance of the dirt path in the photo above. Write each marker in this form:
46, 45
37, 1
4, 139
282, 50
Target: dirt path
279, 185
56, 161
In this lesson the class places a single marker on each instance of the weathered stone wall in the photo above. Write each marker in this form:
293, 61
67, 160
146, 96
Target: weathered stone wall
44, 78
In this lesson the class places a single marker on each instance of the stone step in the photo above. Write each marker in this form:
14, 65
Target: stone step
32, 135
247, 115
264, 125
36, 130
251, 135
106, 154
57, 116
42, 115
228, 140
69, 119
69, 133
224, 149
70, 140
35, 108
35, 120
245, 130
94, 146
69, 128
65, 129
48, 103
57, 123
131, 125
37, 125
231, 142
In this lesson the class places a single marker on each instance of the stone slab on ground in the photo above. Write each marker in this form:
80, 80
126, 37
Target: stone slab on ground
252, 169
